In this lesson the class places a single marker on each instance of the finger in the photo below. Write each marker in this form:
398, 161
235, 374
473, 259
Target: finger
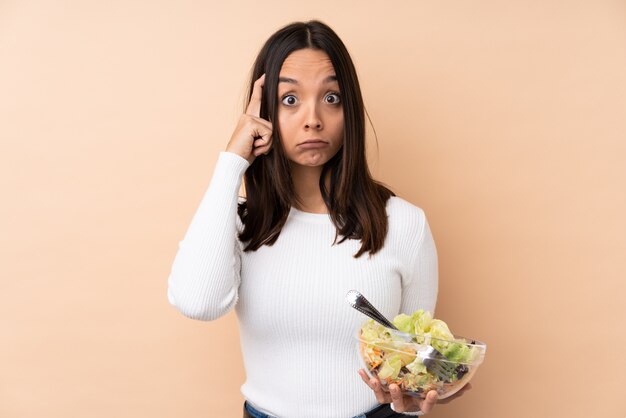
375, 385
364, 377
261, 150
431, 399
258, 143
378, 391
254, 107
261, 137
371, 382
260, 132
262, 121
397, 398
262, 142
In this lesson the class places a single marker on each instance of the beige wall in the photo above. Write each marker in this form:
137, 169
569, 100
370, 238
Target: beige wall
504, 120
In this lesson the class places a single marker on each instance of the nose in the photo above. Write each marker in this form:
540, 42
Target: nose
313, 119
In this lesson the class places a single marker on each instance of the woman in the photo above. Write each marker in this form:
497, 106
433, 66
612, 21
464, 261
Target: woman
314, 225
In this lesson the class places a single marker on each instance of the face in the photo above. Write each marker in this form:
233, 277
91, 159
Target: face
310, 113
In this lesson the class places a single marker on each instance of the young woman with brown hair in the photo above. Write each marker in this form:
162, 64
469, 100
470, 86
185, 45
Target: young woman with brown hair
313, 225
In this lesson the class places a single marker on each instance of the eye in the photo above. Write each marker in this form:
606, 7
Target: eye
332, 98
289, 100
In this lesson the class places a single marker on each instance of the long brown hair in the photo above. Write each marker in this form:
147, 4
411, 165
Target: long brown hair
355, 201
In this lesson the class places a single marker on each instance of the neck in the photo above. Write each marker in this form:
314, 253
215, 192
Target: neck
306, 183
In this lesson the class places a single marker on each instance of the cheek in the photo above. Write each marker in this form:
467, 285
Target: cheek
284, 124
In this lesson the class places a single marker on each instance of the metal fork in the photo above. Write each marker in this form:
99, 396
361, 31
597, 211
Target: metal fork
434, 361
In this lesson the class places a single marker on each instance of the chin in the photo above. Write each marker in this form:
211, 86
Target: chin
312, 161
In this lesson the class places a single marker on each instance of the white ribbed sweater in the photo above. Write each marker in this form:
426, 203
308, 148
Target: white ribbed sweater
297, 330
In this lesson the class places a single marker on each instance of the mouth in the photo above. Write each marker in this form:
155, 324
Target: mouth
313, 143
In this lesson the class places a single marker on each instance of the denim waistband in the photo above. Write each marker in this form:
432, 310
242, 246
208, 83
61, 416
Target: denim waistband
255, 413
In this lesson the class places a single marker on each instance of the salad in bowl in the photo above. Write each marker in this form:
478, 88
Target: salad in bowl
406, 356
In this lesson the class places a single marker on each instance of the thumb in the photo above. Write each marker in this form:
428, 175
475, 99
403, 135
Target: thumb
430, 401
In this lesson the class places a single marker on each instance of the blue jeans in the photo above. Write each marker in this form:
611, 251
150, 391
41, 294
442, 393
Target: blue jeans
254, 413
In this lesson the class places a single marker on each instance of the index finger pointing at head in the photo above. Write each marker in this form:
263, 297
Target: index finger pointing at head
254, 107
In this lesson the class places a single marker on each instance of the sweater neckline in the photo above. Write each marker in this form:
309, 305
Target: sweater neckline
321, 218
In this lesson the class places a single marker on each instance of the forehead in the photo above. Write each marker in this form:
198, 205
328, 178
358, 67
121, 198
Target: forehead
307, 63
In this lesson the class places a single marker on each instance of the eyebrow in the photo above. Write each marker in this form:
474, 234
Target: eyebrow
328, 79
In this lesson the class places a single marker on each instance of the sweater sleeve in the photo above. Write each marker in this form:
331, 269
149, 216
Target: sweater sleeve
205, 275
419, 291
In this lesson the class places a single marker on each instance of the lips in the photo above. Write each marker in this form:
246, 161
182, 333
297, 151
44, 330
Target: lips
313, 143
